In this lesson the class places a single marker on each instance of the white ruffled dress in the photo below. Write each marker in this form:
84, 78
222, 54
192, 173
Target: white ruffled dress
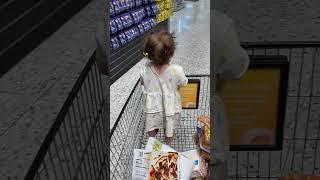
162, 98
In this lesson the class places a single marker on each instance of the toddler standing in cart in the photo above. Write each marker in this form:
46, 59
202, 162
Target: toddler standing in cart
160, 81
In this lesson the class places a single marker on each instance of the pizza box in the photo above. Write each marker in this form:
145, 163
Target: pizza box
148, 159
155, 145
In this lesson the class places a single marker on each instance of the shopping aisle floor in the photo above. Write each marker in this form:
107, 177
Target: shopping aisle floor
191, 26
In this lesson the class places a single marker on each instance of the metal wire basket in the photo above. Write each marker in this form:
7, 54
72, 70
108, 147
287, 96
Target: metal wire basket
128, 132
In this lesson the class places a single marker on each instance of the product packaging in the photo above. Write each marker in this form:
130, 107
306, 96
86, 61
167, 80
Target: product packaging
111, 8
117, 6
157, 157
122, 38
152, 22
146, 25
123, 5
138, 3
119, 23
202, 137
135, 31
142, 13
131, 3
145, 1
140, 28
154, 9
128, 34
114, 43
113, 26
126, 20
148, 10
135, 16
200, 166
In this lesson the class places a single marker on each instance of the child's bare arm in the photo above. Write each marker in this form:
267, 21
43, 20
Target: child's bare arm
181, 77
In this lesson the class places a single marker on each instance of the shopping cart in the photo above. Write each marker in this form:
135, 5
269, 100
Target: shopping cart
75, 147
301, 139
129, 133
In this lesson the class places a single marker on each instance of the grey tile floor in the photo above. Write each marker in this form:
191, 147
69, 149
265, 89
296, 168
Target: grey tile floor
192, 31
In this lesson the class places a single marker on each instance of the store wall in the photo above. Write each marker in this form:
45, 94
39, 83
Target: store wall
25, 24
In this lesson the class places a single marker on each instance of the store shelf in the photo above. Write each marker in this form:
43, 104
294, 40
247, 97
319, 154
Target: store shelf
178, 5
125, 57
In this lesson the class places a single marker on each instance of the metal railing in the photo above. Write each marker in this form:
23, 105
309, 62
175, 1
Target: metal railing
75, 147
301, 141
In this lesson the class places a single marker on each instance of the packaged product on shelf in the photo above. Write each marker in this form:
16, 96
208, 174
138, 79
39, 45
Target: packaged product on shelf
161, 6
126, 4
146, 25
122, 38
117, 6
154, 9
142, 13
111, 9
145, 1
131, 33
128, 35
123, 4
130, 4
135, 32
152, 22
135, 16
148, 10
113, 26
114, 43
126, 20
140, 27
138, 2
133, 3
119, 23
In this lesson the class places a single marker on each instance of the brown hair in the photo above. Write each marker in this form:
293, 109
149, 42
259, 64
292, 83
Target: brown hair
159, 47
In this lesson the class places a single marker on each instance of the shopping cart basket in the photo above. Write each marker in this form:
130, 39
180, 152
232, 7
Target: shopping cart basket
128, 132
301, 138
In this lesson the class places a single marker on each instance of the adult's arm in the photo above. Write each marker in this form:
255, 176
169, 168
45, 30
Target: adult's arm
230, 59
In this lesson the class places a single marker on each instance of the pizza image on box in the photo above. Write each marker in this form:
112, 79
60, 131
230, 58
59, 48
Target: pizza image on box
164, 166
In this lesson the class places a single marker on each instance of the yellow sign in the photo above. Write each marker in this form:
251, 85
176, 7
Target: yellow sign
190, 95
251, 105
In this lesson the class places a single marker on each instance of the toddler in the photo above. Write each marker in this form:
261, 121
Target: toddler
160, 81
